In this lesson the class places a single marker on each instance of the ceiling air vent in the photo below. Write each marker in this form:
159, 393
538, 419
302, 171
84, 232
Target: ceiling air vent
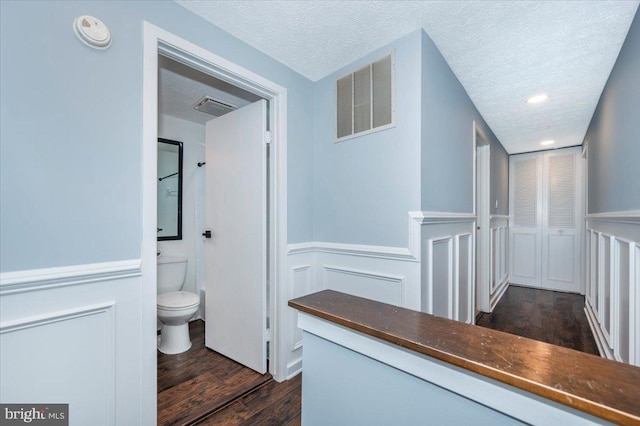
365, 99
212, 106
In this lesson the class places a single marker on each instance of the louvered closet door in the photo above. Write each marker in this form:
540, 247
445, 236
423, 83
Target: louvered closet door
525, 199
561, 221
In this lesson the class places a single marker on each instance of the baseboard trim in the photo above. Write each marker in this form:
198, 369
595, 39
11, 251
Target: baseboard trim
499, 293
294, 368
601, 342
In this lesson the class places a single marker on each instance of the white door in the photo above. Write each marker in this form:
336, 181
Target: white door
236, 254
561, 222
545, 202
525, 199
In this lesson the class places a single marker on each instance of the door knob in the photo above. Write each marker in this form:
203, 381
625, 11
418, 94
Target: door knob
206, 234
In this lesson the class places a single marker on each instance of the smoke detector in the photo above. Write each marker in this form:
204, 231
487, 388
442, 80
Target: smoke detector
92, 32
212, 106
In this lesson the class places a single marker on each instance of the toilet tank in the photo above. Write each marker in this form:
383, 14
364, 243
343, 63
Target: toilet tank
171, 273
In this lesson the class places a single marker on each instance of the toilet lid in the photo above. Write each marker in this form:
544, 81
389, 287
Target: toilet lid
177, 300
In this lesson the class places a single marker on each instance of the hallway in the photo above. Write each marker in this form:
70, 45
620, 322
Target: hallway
544, 315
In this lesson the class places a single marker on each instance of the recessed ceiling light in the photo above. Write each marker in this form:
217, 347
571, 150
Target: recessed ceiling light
549, 142
537, 98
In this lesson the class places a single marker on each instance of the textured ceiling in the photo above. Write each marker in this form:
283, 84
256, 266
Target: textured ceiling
502, 52
180, 87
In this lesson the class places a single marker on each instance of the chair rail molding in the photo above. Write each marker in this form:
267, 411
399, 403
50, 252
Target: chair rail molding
625, 216
62, 276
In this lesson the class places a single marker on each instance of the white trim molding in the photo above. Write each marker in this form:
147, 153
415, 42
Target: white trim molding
62, 276
396, 275
381, 252
429, 217
499, 258
158, 41
613, 283
453, 267
53, 308
623, 216
500, 216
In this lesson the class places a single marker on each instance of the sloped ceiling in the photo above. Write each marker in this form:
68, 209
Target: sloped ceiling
501, 51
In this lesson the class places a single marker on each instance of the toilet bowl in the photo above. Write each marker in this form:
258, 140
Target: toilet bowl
175, 308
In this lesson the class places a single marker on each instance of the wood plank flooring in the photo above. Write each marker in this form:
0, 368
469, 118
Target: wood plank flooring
199, 383
271, 404
544, 315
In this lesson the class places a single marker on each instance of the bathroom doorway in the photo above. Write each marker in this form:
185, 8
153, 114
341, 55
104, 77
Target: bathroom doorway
222, 130
161, 46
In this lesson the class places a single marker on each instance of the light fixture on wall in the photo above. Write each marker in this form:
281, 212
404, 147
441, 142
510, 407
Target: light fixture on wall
536, 99
92, 32
547, 143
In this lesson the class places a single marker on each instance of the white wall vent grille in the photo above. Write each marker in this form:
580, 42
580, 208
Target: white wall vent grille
213, 106
365, 99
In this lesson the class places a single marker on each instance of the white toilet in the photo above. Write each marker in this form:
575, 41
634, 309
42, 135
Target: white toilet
175, 307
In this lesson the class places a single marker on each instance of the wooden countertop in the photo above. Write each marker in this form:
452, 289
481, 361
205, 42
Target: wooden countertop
600, 387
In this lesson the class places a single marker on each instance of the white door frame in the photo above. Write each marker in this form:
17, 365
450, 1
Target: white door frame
482, 210
158, 41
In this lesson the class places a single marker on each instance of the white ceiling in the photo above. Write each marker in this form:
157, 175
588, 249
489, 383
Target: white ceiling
502, 52
181, 87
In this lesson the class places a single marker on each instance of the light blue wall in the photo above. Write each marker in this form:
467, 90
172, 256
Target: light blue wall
71, 126
613, 136
447, 139
342, 387
364, 187
499, 179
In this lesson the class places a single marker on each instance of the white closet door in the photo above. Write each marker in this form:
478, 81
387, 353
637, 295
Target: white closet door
561, 224
525, 199
546, 201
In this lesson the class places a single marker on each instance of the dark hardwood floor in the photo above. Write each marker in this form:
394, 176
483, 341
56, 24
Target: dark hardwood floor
204, 387
274, 403
548, 316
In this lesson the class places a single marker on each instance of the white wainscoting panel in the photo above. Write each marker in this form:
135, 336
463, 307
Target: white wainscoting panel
435, 273
300, 283
464, 309
499, 252
448, 265
613, 287
72, 335
375, 286
301, 279
71, 349
386, 274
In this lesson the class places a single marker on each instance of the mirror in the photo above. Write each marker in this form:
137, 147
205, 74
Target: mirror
169, 190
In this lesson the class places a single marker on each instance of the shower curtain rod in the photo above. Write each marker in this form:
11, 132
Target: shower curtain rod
168, 176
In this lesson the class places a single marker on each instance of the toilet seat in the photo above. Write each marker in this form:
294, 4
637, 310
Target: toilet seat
177, 300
